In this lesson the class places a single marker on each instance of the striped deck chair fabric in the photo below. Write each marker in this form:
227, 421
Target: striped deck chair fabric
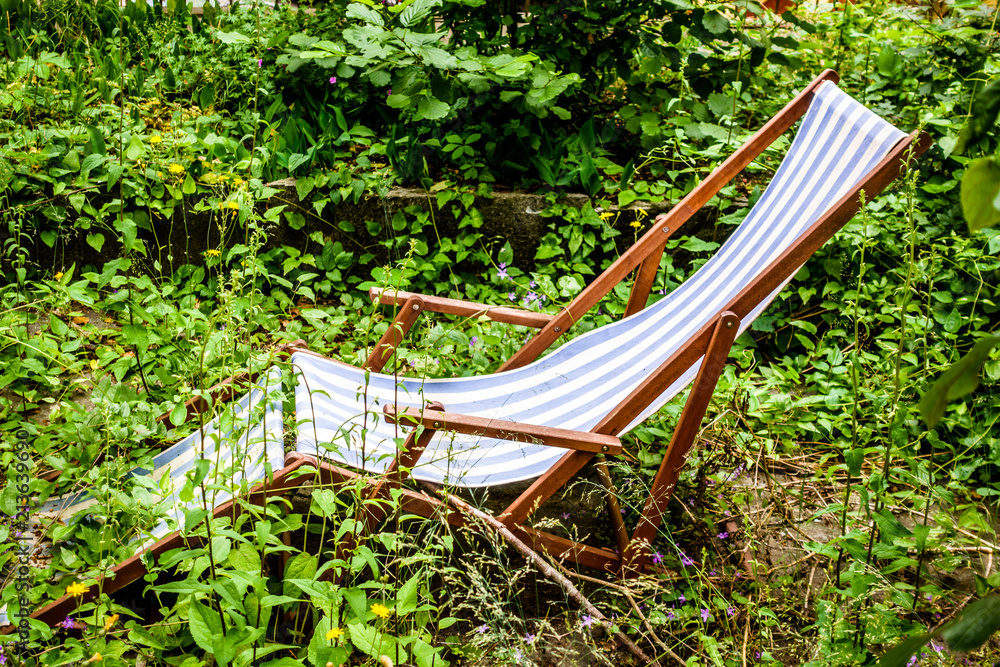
239, 442
338, 407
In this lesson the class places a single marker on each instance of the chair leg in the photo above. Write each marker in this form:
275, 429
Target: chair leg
394, 335
687, 429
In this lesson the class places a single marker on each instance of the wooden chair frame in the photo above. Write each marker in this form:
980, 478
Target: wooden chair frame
713, 342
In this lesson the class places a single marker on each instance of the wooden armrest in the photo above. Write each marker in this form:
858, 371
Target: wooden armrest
505, 430
437, 304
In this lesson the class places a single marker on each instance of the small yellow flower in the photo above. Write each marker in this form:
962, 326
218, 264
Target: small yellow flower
212, 252
175, 168
606, 215
155, 139
59, 276
636, 223
381, 610
76, 589
334, 633
235, 205
95, 658
237, 181
111, 621
641, 212
223, 177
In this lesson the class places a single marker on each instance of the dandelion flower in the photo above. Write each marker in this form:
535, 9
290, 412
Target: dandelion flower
58, 276
606, 215
212, 252
155, 139
76, 589
234, 205
175, 168
381, 610
636, 224
334, 633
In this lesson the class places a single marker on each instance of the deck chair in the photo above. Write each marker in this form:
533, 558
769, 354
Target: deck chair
544, 419
242, 444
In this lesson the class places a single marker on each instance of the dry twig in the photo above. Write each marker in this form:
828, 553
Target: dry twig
547, 570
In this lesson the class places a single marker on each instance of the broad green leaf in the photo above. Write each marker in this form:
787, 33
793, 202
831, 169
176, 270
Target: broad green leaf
981, 194
57, 326
206, 96
302, 566
231, 37
417, 11
431, 109
900, 655
959, 380
358, 11
178, 414
889, 62
205, 625
370, 641
715, 22
982, 119
95, 241
96, 140
397, 101
974, 626
406, 598
135, 149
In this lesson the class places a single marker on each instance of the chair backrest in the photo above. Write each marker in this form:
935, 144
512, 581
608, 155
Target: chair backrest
338, 407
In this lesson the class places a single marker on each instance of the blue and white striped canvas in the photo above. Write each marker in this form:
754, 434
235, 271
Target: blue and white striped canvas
239, 442
338, 407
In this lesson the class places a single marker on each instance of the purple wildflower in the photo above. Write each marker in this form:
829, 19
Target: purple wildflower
565, 516
685, 561
482, 629
912, 662
333, 79
587, 621
671, 615
473, 341
260, 62
724, 534
682, 599
532, 284
67, 623
705, 614
529, 638
657, 558
518, 655
512, 296
502, 273
730, 611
